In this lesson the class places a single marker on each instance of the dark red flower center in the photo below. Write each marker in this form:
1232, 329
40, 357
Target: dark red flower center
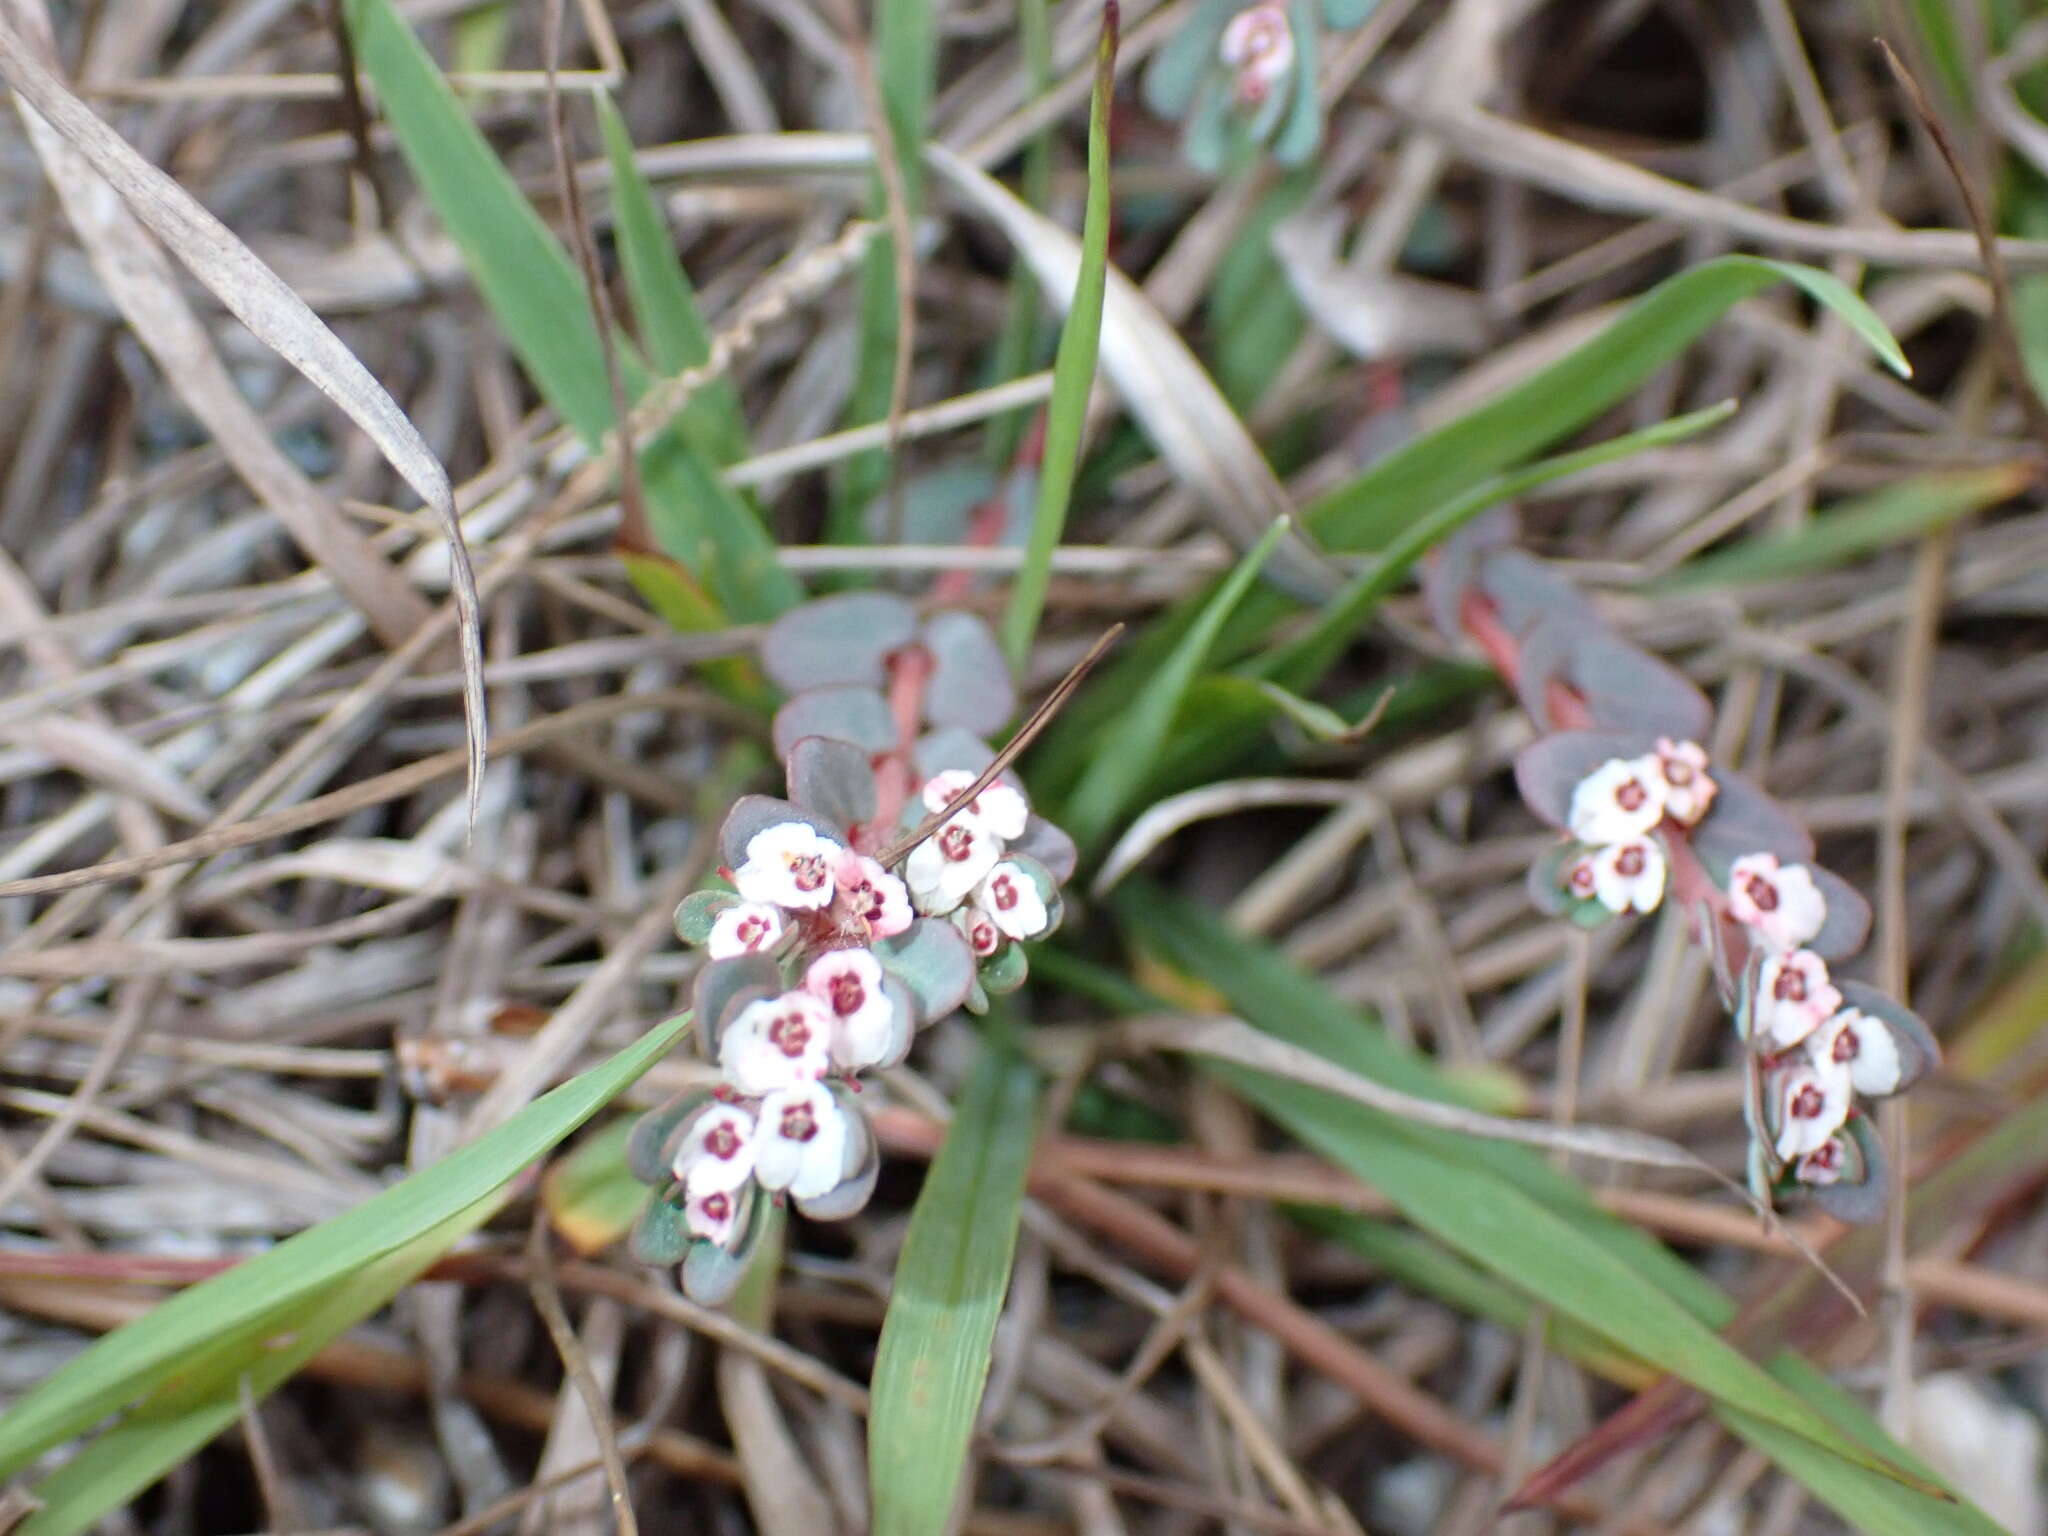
848, 993
984, 937
956, 843
1631, 796
753, 930
1790, 986
790, 1034
724, 1141
1629, 861
718, 1206
1004, 889
798, 1123
809, 872
1581, 878
1762, 894
1827, 1156
1808, 1102
1846, 1046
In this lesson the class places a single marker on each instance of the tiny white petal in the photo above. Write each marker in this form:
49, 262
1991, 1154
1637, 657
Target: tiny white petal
999, 809
776, 1042
877, 897
1010, 898
803, 1141
943, 870
1794, 997
1629, 876
719, 1151
1861, 1044
788, 865
1779, 903
1824, 1164
1689, 789
714, 1215
1621, 799
1812, 1102
1259, 44
747, 929
849, 983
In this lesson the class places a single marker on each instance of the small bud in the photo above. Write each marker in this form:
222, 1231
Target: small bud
1009, 897
873, 895
1810, 1104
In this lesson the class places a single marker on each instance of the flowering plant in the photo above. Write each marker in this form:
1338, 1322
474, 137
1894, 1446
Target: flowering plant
898, 882
1646, 818
1240, 77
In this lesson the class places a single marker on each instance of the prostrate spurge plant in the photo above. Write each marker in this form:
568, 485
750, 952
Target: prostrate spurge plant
1646, 817
876, 900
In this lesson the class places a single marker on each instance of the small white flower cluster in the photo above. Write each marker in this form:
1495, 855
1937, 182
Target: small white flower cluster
1258, 45
959, 872
1818, 1051
1617, 807
775, 1119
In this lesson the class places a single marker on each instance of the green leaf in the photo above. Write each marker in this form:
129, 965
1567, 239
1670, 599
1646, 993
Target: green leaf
1073, 373
161, 1433
1543, 1236
1302, 664
237, 1310
591, 1195
1106, 789
1849, 529
933, 1360
671, 325
534, 290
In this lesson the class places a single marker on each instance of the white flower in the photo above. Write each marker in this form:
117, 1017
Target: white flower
1779, 902
777, 1042
1259, 45
714, 1215
1629, 877
849, 983
1825, 1164
803, 1142
983, 936
999, 808
1621, 799
1010, 898
1812, 1102
944, 869
718, 1154
1793, 997
746, 929
1579, 881
877, 897
1688, 790
1854, 1041
790, 865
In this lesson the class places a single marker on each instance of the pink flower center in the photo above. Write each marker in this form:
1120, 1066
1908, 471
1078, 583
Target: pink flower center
724, 1141
808, 872
1808, 1102
1846, 1045
1826, 1156
752, 931
790, 1035
1762, 894
1629, 862
1581, 878
1005, 892
1631, 796
718, 1207
956, 843
798, 1123
1677, 771
1790, 986
848, 995
984, 936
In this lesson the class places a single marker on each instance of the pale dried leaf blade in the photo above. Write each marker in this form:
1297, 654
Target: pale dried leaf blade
275, 315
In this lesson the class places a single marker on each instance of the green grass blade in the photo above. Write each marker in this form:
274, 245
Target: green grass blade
1474, 1202
1851, 529
1073, 373
1369, 512
158, 1435
1302, 665
537, 296
933, 1360
1118, 772
672, 327
255, 1299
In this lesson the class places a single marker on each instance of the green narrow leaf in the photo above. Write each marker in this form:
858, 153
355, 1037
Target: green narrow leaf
664, 303
259, 1297
534, 290
1367, 513
933, 1360
158, 1435
906, 44
1849, 529
1118, 772
1073, 373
